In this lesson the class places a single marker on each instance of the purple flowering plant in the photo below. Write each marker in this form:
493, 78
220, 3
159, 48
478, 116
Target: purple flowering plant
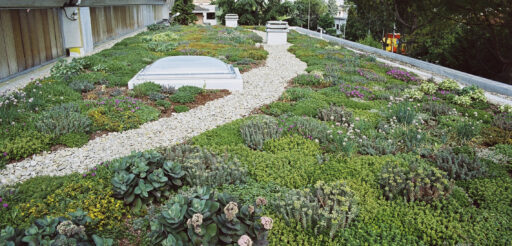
401, 75
357, 91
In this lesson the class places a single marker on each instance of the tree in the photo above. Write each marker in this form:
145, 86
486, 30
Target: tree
185, 8
326, 21
332, 7
315, 9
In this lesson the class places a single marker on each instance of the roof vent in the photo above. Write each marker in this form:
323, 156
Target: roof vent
200, 71
231, 20
277, 32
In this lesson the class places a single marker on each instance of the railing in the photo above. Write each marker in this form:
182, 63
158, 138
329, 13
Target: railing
486, 84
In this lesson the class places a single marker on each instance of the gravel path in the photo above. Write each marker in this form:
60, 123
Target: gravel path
261, 86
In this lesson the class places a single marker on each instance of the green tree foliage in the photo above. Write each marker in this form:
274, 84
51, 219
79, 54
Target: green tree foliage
185, 8
332, 7
469, 35
326, 21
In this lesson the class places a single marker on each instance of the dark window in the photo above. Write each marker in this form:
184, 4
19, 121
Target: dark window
210, 16
337, 26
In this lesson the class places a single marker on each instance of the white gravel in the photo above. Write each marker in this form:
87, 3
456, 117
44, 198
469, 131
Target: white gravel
262, 85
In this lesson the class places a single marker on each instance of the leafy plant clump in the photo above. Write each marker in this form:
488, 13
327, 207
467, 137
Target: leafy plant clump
144, 176
63, 119
419, 182
459, 166
202, 218
181, 108
55, 231
307, 79
336, 114
327, 208
82, 86
182, 97
146, 88
258, 130
205, 168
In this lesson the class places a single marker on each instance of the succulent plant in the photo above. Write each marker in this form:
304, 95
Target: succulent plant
459, 166
196, 218
328, 208
174, 172
157, 178
143, 189
258, 130
54, 231
123, 184
419, 182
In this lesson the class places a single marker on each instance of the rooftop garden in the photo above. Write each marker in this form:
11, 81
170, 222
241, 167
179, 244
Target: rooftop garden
354, 152
89, 97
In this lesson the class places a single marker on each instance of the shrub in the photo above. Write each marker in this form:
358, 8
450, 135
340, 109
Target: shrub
295, 94
449, 85
307, 79
155, 96
156, 27
462, 100
413, 94
437, 109
163, 103
25, 144
201, 218
146, 88
309, 107
466, 129
326, 209
378, 146
63, 119
73, 140
258, 130
144, 176
428, 88
277, 108
403, 112
55, 231
120, 113
459, 166
336, 114
169, 89
194, 90
474, 92
182, 97
204, 168
503, 121
181, 108
63, 68
81, 86
419, 182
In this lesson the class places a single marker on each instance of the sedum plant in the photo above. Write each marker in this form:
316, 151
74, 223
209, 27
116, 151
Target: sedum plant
327, 208
419, 182
54, 231
144, 176
449, 85
82, 86
258, 130
459, 166
204, 168
428, 88
201, 218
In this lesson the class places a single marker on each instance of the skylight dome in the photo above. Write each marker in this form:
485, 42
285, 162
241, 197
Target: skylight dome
200, 71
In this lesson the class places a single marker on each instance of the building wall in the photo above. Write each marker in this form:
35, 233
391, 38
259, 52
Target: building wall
28, 38
112, 21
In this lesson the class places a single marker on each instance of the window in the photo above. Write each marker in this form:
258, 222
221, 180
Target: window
210, 16
337, 26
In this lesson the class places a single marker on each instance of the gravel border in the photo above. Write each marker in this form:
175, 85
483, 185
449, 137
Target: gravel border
262, 86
